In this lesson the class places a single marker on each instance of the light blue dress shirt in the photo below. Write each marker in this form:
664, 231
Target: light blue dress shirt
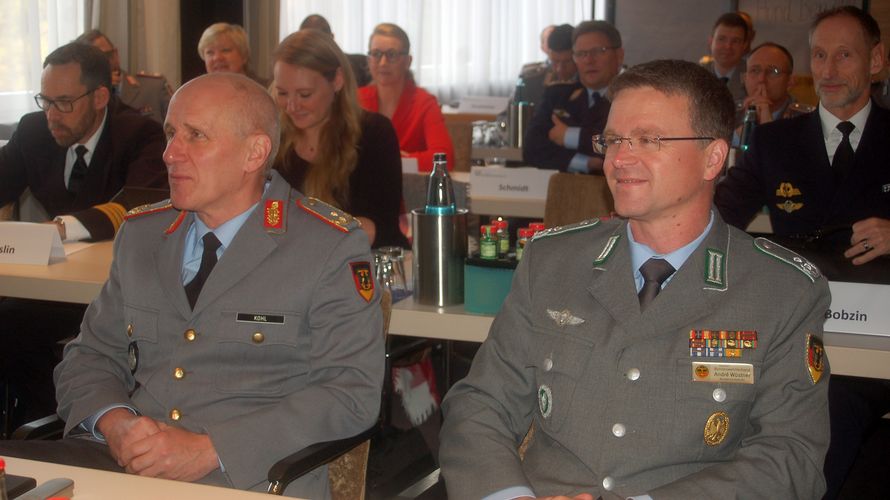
640, 253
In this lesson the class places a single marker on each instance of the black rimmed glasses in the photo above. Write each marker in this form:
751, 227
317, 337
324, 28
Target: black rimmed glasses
595, 52
390, 55
644, 143
62, 105
771, 72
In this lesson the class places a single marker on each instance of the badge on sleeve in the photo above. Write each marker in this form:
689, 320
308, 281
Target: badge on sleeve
364, 283
815, 357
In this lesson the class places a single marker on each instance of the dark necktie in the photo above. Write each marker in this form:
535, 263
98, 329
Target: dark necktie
725, 80
843, 157
593, 99
208, 260
654, 272
79, 171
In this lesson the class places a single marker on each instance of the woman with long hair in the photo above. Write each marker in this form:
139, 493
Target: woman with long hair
330, 148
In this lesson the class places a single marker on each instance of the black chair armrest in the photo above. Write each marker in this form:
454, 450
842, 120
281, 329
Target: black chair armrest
292, 467
50, 427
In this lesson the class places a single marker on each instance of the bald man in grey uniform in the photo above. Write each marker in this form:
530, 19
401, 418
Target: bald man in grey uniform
651, 355
240, 322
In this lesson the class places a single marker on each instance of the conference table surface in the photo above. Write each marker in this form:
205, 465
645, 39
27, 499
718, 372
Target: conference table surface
91, 484
80, 278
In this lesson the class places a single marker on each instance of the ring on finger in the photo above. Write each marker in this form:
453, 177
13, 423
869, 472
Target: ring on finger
865, 245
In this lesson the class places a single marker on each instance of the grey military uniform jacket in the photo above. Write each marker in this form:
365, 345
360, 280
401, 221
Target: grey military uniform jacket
281, 350
147, 94
610, 391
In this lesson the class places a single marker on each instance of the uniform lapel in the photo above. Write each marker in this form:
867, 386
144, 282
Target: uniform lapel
168, 261
688, 296
612, 284
99, 168
700, 283
250, 248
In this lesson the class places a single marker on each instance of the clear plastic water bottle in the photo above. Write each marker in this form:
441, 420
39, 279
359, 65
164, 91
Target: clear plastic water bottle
748, 127
440, 193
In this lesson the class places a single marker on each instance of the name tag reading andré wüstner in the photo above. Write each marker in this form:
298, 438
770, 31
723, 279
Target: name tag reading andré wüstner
727, 373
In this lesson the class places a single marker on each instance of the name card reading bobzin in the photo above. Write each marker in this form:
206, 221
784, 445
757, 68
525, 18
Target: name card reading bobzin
504, 182
858, 308
29, 243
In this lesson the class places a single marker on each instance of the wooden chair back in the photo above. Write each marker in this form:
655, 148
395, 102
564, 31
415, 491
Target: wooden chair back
575, 197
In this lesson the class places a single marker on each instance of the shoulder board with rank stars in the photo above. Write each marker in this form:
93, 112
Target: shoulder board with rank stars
787, 256
571, 228
329, 214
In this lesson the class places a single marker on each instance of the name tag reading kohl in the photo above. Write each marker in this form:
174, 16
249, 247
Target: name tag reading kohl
276, 319
726, 373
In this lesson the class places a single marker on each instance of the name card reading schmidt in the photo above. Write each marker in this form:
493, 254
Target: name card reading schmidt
520, 183
29, 243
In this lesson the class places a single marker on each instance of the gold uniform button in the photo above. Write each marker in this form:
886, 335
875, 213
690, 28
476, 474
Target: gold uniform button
258, 338
175, 414
191, 335
178, 373
130, 330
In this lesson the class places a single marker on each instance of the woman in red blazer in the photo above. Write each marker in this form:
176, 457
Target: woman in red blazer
393, 93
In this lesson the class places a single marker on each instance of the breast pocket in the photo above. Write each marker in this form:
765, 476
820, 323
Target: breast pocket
710, 418
559, 362
259, 356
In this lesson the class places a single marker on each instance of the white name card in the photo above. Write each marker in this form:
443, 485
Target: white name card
409, 166
482, 105
858, 308
29, 243
505, 182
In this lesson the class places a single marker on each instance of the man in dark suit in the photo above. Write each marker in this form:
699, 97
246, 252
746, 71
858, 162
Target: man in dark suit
825, 176
571, 114
122, 148
729, 41
239, 323
74, 156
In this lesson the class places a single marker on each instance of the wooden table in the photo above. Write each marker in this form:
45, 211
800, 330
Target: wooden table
81, 277
90, 484
78, 279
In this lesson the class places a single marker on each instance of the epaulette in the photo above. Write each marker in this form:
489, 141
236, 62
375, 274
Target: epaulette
149, 75
794, 260
150, 208
532, 69
329, 214
571, 228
